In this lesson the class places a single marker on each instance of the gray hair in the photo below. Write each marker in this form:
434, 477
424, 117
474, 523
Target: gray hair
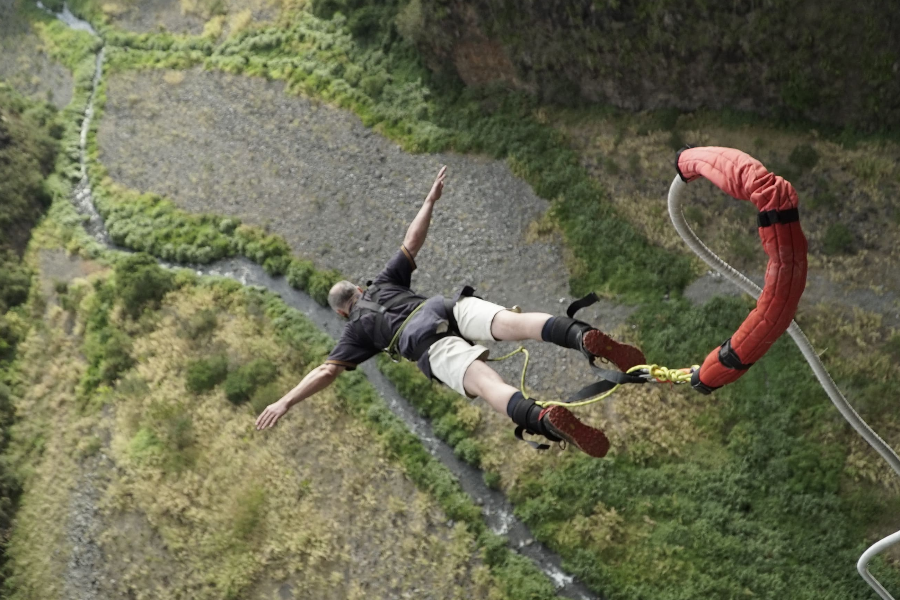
341, 295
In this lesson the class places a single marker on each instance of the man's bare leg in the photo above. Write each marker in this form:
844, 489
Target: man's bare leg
508, 326
481, 380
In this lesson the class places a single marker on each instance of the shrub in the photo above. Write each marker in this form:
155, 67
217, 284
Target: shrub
242, 383
299, 272
141, 282
838, 239
492, 480
199, 324
249, 512
804, 156
469, 450
205, 374
15, 280
265, 396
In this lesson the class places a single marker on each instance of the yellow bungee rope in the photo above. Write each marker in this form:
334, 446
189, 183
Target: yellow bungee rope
657, 373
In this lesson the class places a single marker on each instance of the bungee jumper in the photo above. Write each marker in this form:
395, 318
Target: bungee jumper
440, 335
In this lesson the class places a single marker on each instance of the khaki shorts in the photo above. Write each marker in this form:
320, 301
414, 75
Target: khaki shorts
451, 356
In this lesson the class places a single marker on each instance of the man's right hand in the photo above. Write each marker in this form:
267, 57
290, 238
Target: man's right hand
438, 186
271, 414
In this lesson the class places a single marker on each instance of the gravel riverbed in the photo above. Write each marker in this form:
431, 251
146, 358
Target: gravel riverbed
341, 194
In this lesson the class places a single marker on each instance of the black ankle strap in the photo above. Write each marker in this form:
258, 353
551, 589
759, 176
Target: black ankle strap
519, 436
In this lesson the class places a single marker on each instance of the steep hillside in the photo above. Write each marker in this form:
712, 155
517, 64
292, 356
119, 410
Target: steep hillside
828, 61
27, 153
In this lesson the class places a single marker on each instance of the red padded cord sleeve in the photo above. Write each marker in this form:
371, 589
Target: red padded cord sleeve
745, 178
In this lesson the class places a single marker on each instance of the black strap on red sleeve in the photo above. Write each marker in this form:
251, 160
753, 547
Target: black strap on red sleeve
766, 218
677, 156
729, 358
699, 385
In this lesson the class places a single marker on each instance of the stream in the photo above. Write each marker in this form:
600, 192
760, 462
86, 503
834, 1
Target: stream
496, 509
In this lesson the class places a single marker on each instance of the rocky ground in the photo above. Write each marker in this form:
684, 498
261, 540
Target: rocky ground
25, 64
341, 194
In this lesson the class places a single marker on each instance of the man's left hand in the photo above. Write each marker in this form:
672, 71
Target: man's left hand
438, 186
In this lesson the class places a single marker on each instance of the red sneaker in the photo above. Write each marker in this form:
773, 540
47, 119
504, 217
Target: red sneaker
602, 346
560, 422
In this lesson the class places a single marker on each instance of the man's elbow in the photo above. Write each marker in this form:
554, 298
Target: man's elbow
412, 245
331, 371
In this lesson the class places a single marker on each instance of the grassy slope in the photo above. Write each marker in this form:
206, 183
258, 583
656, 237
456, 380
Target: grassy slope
772, 459
228, 508
222, 510
848, 186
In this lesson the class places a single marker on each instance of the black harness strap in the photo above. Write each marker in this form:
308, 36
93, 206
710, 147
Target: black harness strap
771, 217
519, 436
700, 386
729, 358
364, 306
594, 389
573, 308
616, 377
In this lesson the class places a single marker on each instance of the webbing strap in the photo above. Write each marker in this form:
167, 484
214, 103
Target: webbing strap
616, 377
392, 345
573, 308
771, 217
729, 358
699, 385
594, 389
519, 436
363, 306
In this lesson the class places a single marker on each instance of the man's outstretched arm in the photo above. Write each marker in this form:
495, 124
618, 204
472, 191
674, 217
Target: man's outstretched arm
315, 381
418, 229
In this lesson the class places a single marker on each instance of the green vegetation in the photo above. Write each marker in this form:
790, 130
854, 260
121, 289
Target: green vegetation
141, 283
206, 373
838, 239
28, 146
242, 383
29, 135
804, 156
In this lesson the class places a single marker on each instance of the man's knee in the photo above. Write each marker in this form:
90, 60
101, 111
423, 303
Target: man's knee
477, 376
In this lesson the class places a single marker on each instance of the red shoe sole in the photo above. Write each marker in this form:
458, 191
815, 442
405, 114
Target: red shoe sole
622, 355
592, 442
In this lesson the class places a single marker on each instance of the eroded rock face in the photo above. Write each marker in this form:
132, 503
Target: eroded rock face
778, 59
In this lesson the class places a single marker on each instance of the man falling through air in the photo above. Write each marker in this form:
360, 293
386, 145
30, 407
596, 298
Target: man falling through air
439, 333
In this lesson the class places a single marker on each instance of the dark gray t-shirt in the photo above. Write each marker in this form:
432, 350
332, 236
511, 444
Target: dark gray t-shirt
360, 339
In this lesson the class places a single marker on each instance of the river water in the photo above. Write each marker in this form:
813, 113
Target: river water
496, 509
